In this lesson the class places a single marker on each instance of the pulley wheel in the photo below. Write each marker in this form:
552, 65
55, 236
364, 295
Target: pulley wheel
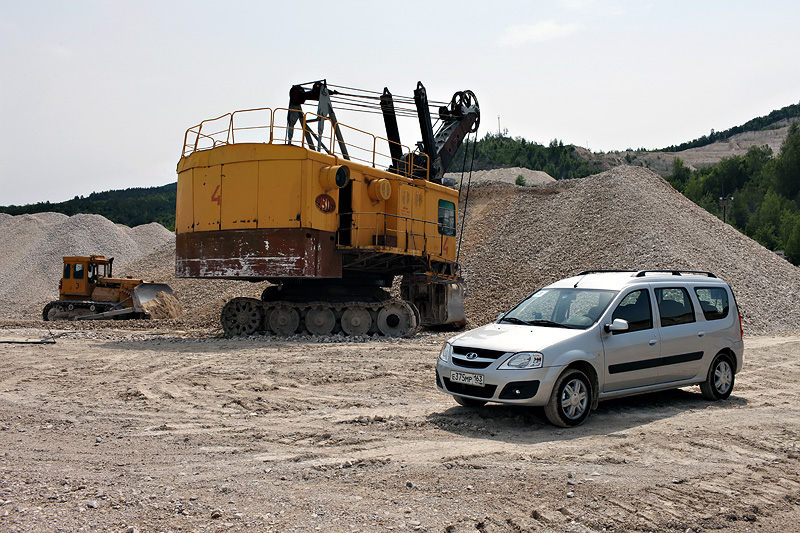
356, 321
241, 317
320, 321
396, 319
284, 320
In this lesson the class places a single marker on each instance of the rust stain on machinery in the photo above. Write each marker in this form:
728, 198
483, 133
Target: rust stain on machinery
328, 213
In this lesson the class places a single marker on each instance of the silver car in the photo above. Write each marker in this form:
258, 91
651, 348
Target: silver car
600, 335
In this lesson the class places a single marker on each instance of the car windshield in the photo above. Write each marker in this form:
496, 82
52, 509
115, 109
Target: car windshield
564, 308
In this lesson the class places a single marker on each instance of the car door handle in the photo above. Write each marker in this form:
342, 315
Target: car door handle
653, 342
701, 334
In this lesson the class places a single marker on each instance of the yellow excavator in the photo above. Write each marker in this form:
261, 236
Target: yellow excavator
328, 213
88, 290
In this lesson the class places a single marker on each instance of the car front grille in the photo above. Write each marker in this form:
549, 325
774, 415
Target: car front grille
482, 358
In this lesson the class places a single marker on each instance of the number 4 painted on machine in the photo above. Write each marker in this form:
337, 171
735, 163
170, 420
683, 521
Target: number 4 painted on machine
216, 196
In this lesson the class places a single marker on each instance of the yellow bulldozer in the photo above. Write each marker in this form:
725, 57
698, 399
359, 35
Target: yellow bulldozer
88, 290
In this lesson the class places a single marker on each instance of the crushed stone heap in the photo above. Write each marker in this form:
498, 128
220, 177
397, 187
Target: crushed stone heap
518, 239
34, 245
504, 175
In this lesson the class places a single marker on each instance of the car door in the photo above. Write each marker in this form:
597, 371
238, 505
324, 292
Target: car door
683, 337
632, 357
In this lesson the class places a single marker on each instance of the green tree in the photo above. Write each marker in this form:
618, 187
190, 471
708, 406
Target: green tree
680, 174
792, 245
787, 165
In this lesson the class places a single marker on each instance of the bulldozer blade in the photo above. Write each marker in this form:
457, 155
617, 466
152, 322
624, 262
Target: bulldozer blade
147, 291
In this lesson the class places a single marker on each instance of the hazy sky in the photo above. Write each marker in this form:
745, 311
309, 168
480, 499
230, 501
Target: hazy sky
97, 95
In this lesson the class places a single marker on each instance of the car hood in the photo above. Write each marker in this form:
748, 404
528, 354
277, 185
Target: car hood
514, 337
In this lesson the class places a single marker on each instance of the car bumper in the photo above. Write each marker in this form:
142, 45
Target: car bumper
520, 387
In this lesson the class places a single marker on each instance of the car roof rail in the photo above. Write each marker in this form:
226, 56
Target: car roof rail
587, 272
642, 273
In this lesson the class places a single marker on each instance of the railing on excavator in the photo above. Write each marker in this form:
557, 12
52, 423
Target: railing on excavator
251, 126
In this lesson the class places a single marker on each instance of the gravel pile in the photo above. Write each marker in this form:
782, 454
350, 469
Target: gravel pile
33, 247
506, 175
518, 239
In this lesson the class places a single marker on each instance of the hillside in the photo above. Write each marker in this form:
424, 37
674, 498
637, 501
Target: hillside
131, 207
698, 157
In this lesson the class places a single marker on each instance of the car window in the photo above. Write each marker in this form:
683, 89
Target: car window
569, 307
713, 302
674, 306
66, 270
636, 310
78, 271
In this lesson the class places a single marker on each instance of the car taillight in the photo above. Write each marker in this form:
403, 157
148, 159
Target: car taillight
741, 328
60, 284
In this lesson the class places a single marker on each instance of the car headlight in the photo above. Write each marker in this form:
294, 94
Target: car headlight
446, 352
523, 360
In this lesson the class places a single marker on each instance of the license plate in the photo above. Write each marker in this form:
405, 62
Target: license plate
467, 378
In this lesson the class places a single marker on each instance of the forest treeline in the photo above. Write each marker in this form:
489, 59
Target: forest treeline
131, 207
765, 189
498, 151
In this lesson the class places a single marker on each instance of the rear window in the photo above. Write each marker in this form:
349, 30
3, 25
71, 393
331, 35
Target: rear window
713, 302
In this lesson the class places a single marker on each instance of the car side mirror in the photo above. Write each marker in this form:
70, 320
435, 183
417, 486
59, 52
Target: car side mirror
617, 325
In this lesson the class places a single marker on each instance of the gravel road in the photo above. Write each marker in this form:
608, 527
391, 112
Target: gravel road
165, 430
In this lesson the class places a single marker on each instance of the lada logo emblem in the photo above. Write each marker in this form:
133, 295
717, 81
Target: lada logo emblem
471, 355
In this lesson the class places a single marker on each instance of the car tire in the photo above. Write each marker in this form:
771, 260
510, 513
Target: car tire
469, 402
571, 400
719, 381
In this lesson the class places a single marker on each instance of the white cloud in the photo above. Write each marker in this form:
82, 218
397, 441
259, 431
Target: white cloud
547, 30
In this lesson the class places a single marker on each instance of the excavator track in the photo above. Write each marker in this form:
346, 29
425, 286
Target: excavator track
250, 316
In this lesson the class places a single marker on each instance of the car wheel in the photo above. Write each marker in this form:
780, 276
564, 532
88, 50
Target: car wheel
571, 400
719, 382
469, 402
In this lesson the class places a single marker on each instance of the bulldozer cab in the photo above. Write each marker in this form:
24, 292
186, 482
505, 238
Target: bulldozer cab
81, 274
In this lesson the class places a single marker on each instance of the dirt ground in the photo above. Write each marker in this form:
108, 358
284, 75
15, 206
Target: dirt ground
130, 430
